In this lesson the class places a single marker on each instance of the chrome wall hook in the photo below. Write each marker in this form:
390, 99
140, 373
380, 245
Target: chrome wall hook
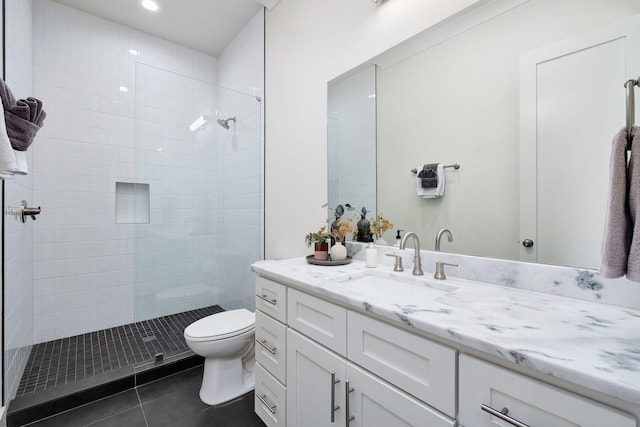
26, 211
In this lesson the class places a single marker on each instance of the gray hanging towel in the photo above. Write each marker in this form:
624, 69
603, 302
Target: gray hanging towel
618, 225
23, 118
633, 264
21, 132
8, 100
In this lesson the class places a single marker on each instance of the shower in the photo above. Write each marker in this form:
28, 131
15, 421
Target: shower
225, 122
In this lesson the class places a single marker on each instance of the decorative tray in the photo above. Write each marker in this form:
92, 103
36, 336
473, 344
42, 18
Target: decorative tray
312, 260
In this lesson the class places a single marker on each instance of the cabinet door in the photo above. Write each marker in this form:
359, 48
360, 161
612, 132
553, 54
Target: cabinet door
526, 400
421, 367
374, 403
315, 384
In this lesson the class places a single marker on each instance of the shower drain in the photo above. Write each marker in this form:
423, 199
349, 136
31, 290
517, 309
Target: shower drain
149, 338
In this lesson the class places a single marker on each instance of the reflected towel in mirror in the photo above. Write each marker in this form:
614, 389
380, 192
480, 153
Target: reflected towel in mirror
429, 175
430, 193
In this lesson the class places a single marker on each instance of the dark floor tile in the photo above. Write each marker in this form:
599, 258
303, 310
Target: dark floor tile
132, 418
188, 382
174, 406
237, 413
94, 411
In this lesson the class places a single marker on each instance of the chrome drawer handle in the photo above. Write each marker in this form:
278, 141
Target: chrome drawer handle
264, 344
334, 408
502, 415
263, 400
264, 297
348, 390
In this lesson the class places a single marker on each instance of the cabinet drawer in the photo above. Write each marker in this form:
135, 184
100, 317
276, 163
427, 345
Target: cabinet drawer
423, 368
271, 341
527, 400
319, 320
271, 298
271, 398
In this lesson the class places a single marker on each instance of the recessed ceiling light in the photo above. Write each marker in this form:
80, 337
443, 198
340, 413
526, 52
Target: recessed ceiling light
150, 5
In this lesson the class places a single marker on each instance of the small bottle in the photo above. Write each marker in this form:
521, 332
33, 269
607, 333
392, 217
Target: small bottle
398, 238
371, 256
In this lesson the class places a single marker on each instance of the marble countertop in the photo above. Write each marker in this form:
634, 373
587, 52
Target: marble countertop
593, 345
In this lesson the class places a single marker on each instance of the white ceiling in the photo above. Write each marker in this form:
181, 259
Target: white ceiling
204, 25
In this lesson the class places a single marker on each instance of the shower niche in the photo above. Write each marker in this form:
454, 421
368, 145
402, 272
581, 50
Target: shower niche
132, 203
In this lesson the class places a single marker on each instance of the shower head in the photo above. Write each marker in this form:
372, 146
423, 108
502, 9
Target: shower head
225, 122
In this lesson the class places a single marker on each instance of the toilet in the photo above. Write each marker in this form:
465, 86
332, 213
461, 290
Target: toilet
226, 341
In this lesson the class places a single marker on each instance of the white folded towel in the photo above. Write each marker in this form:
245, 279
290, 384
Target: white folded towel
21, 160
431, 193
8, 163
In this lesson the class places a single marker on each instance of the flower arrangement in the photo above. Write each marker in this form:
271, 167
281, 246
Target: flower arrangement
319, 236
342, 229
379, 225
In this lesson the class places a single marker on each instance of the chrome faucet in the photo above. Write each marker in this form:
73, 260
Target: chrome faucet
439, 236
417, 262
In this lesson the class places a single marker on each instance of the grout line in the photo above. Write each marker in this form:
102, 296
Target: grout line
104, 341
144, 415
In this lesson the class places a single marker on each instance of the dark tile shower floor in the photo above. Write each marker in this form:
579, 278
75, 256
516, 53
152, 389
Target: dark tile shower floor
55, 363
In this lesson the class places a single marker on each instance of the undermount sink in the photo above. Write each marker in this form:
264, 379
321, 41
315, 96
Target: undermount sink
386, 281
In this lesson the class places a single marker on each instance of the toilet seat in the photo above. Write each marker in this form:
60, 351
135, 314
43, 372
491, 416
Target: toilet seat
221, 325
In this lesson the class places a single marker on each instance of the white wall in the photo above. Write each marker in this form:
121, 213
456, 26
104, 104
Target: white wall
309, 43
18, 239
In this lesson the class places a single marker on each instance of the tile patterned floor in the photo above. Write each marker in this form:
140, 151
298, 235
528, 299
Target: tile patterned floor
66, 360
171, 401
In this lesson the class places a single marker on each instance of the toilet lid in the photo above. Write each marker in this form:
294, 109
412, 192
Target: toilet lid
221, 325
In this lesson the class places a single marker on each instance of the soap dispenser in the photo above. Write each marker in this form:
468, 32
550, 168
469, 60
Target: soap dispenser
371, 256
398, 238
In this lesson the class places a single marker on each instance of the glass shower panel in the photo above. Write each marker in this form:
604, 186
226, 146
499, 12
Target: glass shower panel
203, 186
240, 212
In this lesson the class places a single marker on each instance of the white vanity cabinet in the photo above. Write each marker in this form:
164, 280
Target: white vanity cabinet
326, 389
394, 378
322, 364
270, 369
518, 400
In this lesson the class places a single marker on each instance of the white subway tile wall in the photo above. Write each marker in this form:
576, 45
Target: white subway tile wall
18, 289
